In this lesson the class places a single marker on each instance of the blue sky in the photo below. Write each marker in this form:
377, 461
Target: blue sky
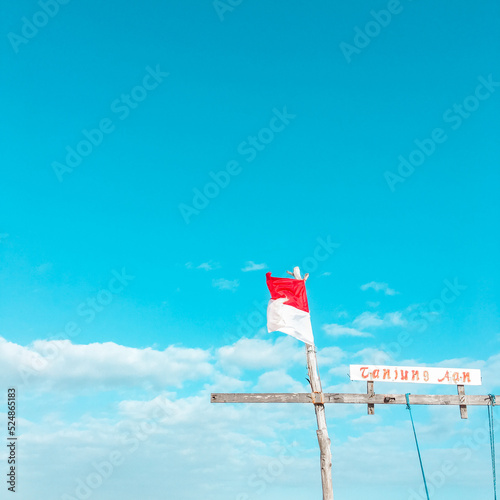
359, 141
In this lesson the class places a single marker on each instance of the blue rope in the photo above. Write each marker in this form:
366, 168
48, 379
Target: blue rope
492, 443
408, 407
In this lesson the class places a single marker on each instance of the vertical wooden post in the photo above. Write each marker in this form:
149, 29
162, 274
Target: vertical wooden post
322, 432
463, 408
319, 408
370, 391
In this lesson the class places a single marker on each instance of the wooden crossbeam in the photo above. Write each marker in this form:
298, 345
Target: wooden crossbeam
376, 399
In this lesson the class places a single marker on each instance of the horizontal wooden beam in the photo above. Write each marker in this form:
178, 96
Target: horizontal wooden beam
377, 399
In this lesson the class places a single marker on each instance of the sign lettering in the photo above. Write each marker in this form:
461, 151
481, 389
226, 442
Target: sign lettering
416, 374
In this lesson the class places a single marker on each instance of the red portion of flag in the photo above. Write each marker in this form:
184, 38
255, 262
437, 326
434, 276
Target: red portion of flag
291, 289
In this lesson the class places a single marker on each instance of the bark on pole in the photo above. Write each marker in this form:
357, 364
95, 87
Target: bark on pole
322, 432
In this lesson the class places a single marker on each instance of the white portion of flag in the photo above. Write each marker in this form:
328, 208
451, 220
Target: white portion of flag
290, 320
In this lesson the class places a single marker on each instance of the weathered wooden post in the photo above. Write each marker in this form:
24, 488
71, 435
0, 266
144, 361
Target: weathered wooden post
322, 432
319, 407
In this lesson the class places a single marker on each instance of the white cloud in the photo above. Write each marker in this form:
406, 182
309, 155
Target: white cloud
225, 383
336, 330
330, 355
252, 266
60, 364
363, 322
368, 420
161, 437
373, 320
379, 287
395, 319
368, 320
257, 354
341, 314
278, 381
371, 355
208, 266
223, 284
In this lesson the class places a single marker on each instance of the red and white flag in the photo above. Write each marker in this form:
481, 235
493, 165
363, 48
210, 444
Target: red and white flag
287, 310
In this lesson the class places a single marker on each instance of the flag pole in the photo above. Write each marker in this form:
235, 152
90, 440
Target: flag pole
319, 407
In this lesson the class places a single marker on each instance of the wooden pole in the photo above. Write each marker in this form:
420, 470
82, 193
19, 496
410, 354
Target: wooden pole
322, 432
463, 407
370, 391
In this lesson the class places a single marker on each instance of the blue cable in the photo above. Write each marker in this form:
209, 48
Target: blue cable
408, 407
492, 443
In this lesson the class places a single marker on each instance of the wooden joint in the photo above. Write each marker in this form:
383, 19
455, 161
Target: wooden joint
314, 399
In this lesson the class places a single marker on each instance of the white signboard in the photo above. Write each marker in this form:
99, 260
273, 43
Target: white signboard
416, 374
